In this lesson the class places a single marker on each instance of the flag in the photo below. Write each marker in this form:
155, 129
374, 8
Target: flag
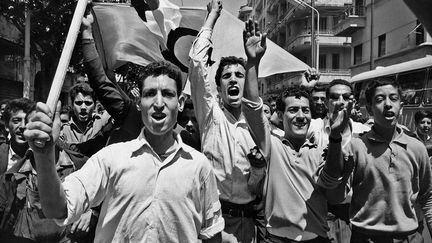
168, 33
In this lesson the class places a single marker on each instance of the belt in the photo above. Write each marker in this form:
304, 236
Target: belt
372, 233
238, 210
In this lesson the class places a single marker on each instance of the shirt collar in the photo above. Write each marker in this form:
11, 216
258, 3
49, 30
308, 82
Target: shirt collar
307, 143
401, 137
89, 124
141, 142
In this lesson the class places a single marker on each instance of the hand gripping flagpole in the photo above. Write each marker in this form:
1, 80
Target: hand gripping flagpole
65, 57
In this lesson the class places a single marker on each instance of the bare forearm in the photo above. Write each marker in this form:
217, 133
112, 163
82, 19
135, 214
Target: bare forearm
52, 196
211, 20
251, 84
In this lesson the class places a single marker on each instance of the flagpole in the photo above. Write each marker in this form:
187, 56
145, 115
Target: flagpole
65, 57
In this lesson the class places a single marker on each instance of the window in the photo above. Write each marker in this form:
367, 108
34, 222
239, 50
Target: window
419, 33
381, 45
358, 52
335, 61
412, 84
323, 24
427, 98
322, 62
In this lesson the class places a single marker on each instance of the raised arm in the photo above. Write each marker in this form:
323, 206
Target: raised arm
333, 169
115, 101
255, 46
199, 71
41, 126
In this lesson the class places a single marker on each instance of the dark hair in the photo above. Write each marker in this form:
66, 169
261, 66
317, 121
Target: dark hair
3, 101
84, 89
336, 82
419, 115
296, 91
319, 88
156, 69
272, 98
226, 61
188, 104
15, 105
370, 89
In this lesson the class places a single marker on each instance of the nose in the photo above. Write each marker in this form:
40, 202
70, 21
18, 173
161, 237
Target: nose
300, 116
387, 103
158, 101
22, 125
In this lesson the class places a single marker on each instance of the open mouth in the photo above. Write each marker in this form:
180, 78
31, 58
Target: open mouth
158, 116
300, 125
233, 91
389, 114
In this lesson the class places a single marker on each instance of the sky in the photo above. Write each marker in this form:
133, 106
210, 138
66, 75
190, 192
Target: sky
231, 6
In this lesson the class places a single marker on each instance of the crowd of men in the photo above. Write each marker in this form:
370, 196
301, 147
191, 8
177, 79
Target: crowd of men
225, 167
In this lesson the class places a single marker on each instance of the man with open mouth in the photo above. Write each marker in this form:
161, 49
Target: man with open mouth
84, 123
226, 138
387, 171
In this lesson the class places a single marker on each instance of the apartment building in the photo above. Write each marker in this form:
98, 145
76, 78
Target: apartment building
294, 26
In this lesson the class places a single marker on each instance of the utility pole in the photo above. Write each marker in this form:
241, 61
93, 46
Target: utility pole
313, 43
371, 35
28, 83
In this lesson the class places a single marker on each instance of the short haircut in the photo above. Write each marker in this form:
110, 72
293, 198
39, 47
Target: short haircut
84, 89
336, 82
188, 104
319, 88
226, 61
15, 105
272, 98
156, 69
296, 91
419, 115
3, 101
370, 89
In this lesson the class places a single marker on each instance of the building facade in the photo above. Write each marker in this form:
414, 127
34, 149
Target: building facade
291, 25
394, 31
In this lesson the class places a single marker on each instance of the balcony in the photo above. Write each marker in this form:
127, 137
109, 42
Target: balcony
351, 21
302, 41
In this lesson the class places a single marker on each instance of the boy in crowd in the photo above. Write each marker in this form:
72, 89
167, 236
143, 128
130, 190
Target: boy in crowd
152, 189
387, 171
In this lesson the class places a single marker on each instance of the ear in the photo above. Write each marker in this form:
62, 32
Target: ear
279, 115
7, 128
181, 102
401, 109
218, 88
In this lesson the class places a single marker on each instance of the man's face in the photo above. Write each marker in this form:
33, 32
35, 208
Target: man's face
386, 106
319, 102
273, 106
16, 127
424, 126
232, 84
339, 93
189, 121
83, 107
159, 104
296, 117
267, 111
64, 118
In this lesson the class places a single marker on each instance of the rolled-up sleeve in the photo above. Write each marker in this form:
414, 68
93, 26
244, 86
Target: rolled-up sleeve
199, 71
213, 222
85, 188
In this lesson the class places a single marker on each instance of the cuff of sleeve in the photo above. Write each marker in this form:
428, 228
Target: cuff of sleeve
327, 181
217, 226
252, 105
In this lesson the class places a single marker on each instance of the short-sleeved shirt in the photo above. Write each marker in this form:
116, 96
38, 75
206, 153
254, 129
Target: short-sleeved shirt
144, 198
72, 134
387, 179
225, 140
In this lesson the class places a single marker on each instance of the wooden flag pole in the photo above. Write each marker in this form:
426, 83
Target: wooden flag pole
65, 57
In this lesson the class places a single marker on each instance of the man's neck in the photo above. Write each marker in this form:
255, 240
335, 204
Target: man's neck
19, 149
161, 144
235, 111
82, 126
297, 143
423, 136
387, 133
